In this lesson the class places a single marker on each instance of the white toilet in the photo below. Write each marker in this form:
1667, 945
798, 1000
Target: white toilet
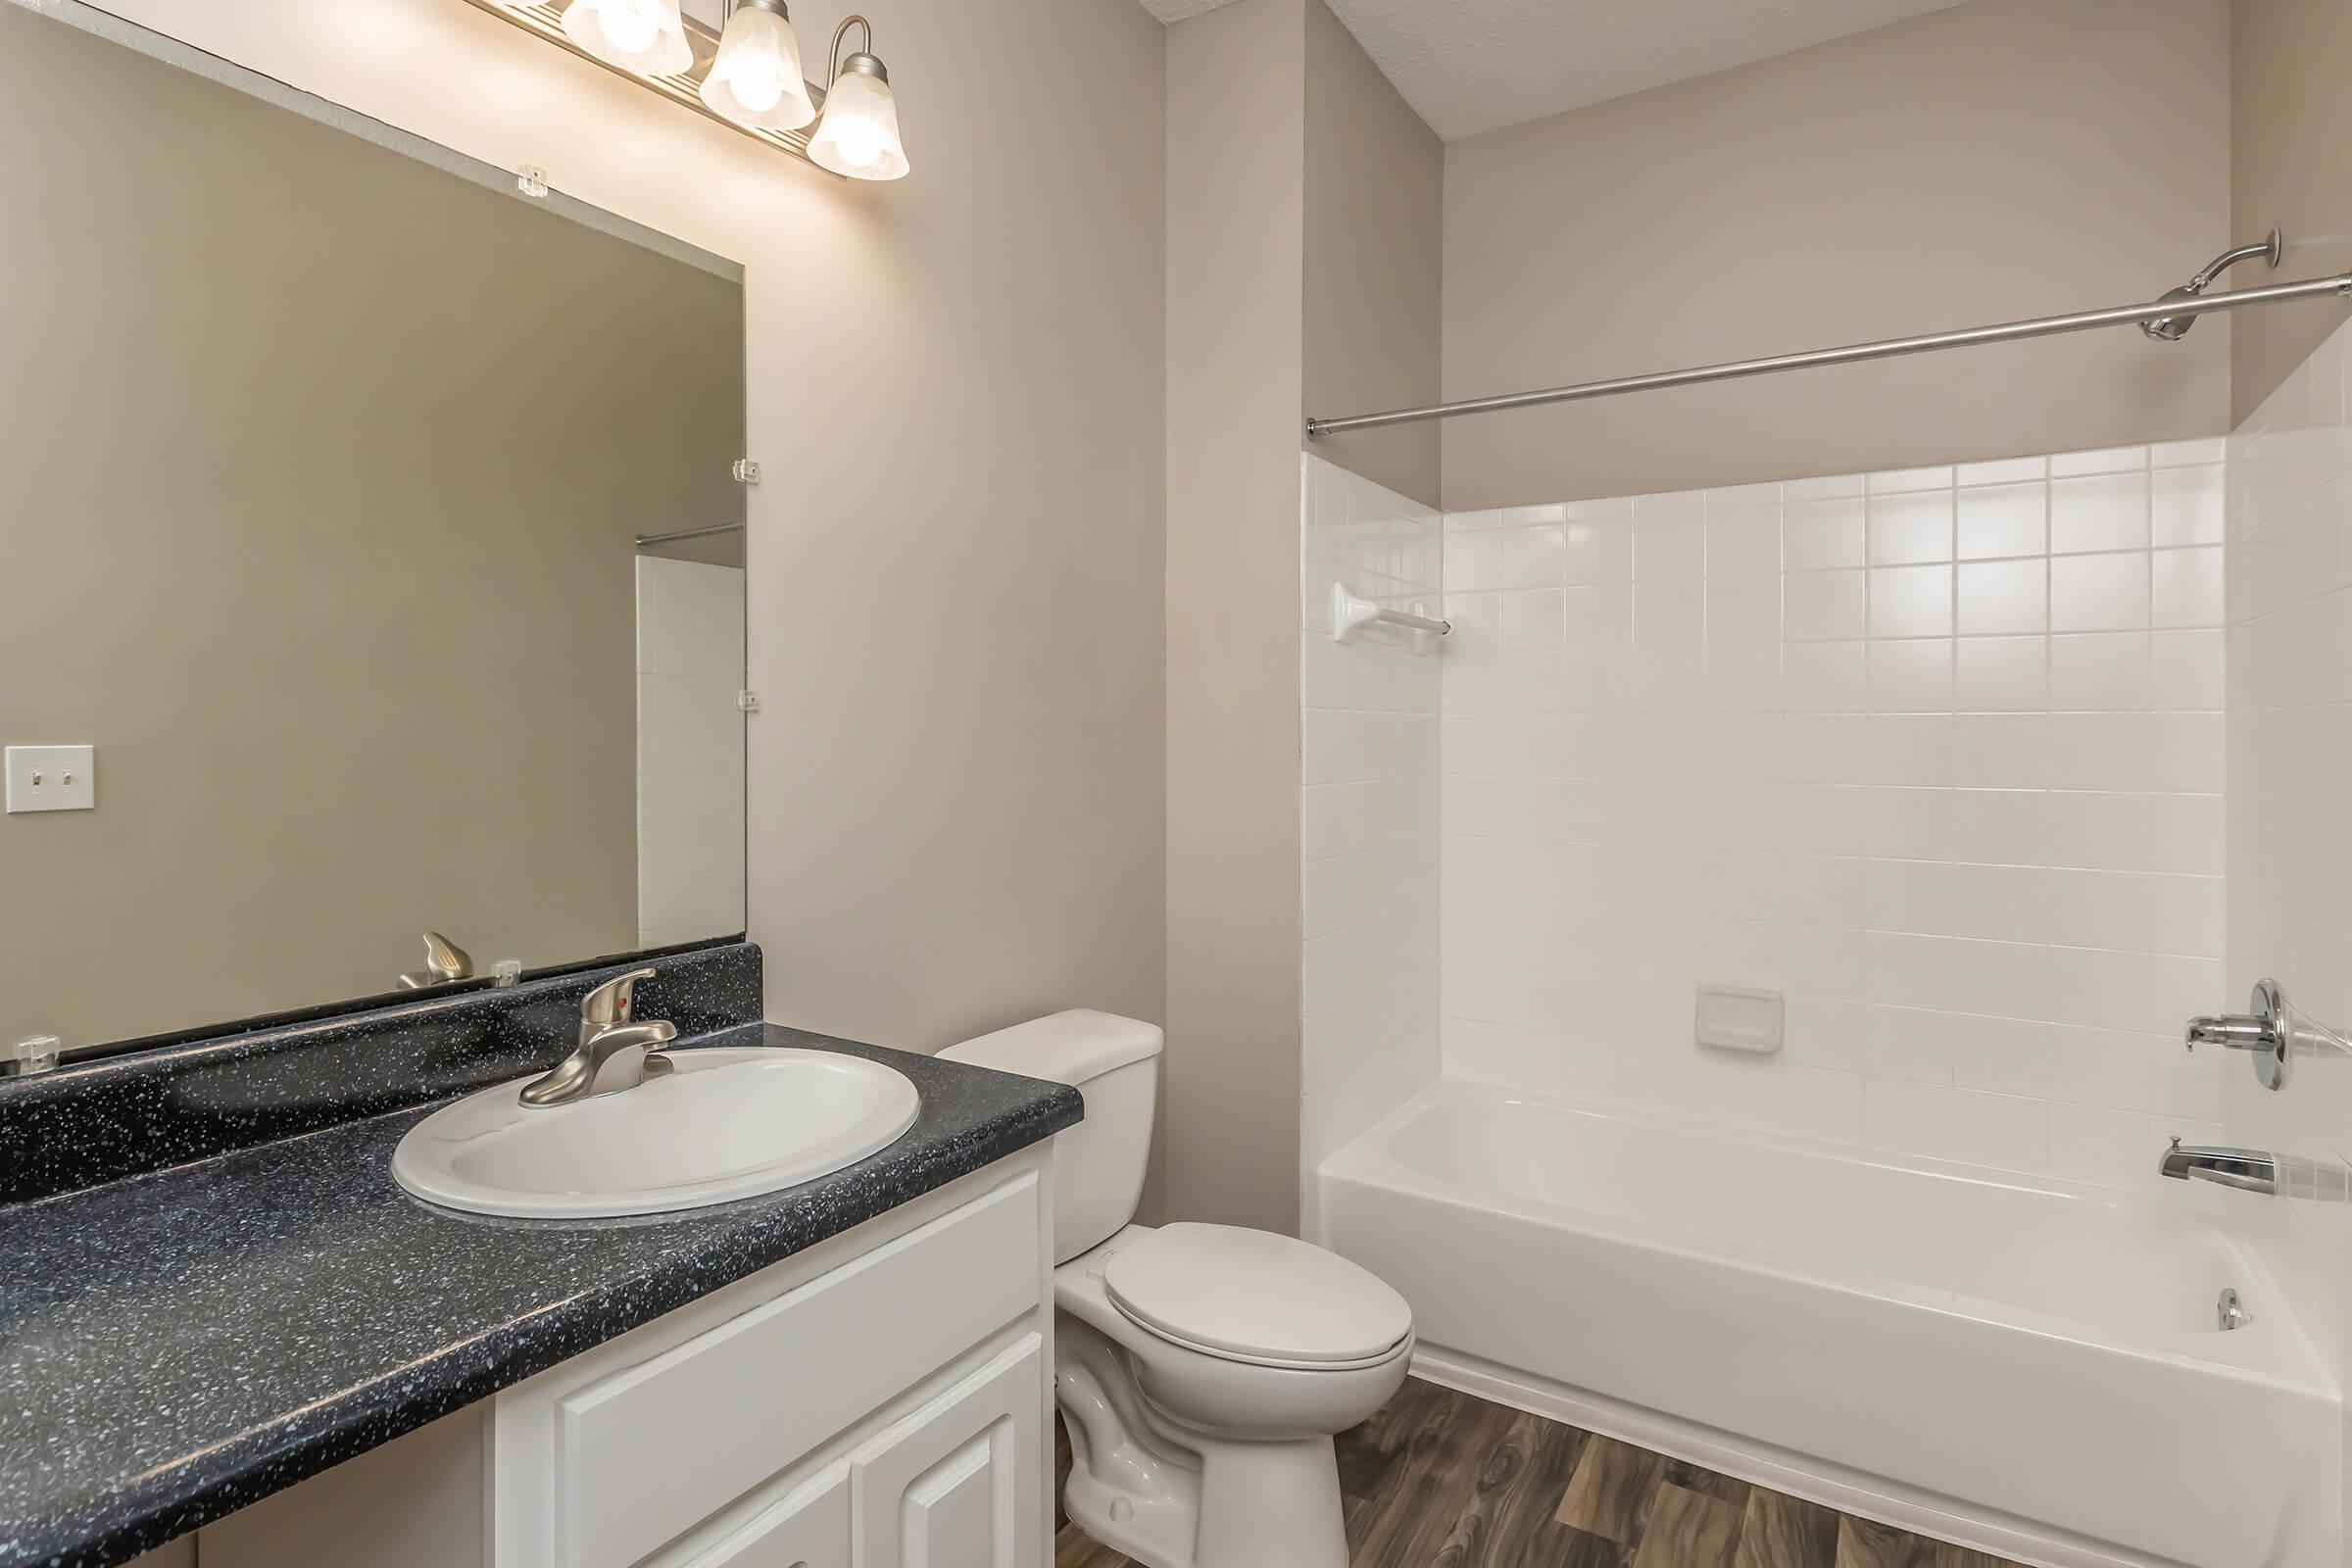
1201, 1369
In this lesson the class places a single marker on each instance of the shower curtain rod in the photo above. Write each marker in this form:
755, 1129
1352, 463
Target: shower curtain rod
2339, 286
676, 534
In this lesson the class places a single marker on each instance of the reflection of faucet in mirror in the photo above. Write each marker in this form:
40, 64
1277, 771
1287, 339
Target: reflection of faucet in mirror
613, 1051
444, 961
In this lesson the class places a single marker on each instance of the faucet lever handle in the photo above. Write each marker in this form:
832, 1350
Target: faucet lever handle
2266, 1028
615, 1001
444, 961
2238, 1032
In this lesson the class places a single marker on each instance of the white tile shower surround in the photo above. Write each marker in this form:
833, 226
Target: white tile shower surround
1368, 811
2290, 829
1936, 752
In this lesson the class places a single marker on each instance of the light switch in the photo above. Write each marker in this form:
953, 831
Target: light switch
52, 778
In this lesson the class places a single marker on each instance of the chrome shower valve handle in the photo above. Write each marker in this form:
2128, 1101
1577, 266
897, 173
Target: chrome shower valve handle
2267, 1028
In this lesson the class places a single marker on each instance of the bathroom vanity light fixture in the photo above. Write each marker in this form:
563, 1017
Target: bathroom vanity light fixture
744, 73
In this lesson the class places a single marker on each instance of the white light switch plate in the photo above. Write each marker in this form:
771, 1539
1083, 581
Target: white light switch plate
52, 778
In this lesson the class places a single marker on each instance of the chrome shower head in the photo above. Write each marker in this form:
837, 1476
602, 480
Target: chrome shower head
2172, 329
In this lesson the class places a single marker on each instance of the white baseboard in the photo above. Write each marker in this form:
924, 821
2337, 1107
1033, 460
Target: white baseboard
1833, 1485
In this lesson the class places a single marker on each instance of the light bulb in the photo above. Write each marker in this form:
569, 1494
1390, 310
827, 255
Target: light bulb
757, 89
861, 144
645, 36
629, 29
756, 79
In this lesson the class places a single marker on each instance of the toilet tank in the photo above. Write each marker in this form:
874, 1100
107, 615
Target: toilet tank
1113, 1063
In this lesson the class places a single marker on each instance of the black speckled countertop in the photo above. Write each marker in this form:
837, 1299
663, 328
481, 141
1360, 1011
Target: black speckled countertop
178, 1344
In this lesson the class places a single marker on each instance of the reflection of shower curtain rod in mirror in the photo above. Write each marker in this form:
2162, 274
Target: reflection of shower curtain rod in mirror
674, 535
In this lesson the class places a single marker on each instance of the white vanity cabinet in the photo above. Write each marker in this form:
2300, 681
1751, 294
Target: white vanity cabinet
880, 1399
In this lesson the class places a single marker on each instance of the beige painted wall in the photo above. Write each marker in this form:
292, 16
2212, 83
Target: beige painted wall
1304, 205
418, 1501
1998, 159
1234, 325
1374, 197
957, 776
956, 387
332, 461
2290, 165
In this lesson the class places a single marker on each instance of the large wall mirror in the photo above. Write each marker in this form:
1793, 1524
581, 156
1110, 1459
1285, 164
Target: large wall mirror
374, 523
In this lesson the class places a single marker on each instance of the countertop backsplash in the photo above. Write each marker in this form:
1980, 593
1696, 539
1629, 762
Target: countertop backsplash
145, 1110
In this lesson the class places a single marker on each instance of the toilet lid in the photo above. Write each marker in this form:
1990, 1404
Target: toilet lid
1255, 1295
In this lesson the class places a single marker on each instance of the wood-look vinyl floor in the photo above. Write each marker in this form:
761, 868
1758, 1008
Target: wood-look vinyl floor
1443, 1480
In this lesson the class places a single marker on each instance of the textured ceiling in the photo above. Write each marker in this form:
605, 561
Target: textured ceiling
1469, 66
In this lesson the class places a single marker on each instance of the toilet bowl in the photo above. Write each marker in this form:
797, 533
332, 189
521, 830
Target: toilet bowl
1200, 1370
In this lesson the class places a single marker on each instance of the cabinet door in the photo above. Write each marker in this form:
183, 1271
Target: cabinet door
961, 1483
808, 1529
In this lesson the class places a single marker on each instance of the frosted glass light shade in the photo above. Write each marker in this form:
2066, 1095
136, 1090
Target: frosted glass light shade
859, 135
755, 80
646, 36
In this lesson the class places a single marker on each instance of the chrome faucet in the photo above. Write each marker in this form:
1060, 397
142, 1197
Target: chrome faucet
2249, 1170
444, 961
2258, 1170
613, 1051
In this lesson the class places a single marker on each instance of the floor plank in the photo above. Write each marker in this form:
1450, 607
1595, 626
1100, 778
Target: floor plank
1406, 1521
1784, 1532
1369, 1452
1525, 1531
1706, 1482
1864, 1545
1688, 1530
1507, 1517
1073, 1547
1580, 1550
1611, 1490
1441, 1479
1948, 1556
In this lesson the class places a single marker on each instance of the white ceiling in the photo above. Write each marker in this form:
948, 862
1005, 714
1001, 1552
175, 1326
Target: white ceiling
1468, 66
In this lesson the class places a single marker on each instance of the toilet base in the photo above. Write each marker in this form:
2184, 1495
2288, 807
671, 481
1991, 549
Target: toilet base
1272, 1505
1132, 1494
1250, 1505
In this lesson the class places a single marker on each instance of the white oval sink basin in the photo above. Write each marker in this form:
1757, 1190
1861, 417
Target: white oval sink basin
726, 1122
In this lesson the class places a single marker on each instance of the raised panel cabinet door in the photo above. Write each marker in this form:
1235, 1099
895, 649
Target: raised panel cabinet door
961, 1483
809, 1527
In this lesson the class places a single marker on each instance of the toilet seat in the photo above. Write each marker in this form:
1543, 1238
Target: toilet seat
1256, 1297
1236, 1358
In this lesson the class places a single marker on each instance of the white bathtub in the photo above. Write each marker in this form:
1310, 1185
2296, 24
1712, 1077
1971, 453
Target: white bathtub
2026, 1366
